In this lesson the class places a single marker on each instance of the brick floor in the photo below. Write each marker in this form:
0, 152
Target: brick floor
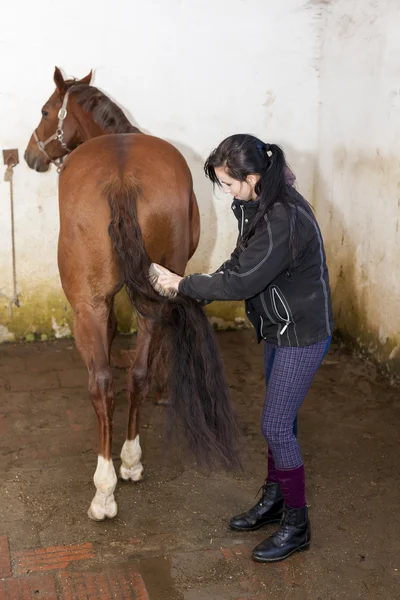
172, 528
46, 559
5, 561
39, 587
123, 583
117, 584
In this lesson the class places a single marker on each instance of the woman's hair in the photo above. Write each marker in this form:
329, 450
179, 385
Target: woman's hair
244, 154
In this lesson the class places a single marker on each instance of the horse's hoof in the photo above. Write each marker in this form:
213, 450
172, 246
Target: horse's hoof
98, 512
133, 474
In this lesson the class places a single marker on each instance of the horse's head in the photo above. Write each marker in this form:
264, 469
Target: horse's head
57, 133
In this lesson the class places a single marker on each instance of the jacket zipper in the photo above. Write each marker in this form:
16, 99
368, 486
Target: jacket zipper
261, 326
264, 305
242, 225
287, 319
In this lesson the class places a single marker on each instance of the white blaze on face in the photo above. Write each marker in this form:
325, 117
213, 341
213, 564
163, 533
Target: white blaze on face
105, 479
131, 454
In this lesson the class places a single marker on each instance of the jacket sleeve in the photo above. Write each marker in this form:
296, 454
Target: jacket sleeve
265, 257
227, 264
231, 262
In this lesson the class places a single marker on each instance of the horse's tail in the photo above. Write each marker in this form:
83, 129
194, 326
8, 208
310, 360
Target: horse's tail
200, 401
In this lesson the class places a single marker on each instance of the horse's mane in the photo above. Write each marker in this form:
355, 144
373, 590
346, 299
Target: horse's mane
104, 111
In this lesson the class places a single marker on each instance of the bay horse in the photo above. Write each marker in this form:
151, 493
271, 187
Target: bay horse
126, 199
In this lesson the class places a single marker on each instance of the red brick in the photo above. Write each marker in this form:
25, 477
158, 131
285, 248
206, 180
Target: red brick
55, 557
124, 584
91, 587
67, 585
121, 584
104, 588
25, 590
114, 586
80, 587
5, 560
138, 586
12, 589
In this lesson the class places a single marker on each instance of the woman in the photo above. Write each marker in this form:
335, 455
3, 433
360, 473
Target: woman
279, 268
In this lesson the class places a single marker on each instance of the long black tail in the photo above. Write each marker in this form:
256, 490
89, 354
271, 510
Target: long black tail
200, 402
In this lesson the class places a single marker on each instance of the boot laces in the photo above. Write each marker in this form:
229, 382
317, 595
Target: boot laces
263, 493
288, 520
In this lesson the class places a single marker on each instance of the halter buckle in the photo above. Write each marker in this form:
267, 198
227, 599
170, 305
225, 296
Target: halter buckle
62, 113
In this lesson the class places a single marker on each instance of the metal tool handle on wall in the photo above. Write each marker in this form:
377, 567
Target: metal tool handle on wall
11, 160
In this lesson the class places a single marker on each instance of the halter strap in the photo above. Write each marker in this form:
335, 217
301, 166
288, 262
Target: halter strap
58, 135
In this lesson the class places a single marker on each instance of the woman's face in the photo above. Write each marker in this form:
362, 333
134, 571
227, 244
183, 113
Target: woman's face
242, 190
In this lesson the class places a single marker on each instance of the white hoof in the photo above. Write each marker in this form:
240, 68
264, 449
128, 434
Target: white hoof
132, 474
105, 479
101, 508
131, 453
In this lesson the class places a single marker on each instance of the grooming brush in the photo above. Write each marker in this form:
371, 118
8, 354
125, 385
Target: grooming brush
154, 274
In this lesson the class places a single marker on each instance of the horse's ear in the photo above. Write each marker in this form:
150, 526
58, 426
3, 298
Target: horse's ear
87, 79
59, 80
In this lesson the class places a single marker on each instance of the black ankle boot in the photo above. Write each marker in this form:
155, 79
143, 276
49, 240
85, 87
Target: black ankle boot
269, 509
294, 535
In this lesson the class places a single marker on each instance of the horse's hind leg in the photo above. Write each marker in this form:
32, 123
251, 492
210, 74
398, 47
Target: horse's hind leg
112, 327
138, 386
93, 332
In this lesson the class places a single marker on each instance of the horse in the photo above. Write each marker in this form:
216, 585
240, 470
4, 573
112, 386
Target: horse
126, 200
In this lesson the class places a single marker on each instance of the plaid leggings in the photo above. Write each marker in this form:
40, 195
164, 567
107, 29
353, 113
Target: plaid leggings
288, 375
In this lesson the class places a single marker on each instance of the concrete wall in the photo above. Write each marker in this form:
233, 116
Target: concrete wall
357, 194
191, 72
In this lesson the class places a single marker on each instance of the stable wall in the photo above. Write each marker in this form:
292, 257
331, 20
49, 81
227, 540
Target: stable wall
357, 193
191, 72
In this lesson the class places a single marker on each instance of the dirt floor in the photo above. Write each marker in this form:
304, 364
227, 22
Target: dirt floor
171, 539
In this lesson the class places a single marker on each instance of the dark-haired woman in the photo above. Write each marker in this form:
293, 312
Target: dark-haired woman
278, 267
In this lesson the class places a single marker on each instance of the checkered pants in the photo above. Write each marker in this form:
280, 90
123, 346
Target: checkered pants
288, 375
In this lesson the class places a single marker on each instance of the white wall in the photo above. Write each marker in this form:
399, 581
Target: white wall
191, 72
358, 185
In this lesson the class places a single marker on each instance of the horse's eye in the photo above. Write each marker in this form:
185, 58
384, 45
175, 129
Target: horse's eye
45, 113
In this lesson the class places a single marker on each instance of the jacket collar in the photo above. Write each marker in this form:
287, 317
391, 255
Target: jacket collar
239, 206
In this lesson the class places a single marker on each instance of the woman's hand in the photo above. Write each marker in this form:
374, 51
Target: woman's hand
164, 281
